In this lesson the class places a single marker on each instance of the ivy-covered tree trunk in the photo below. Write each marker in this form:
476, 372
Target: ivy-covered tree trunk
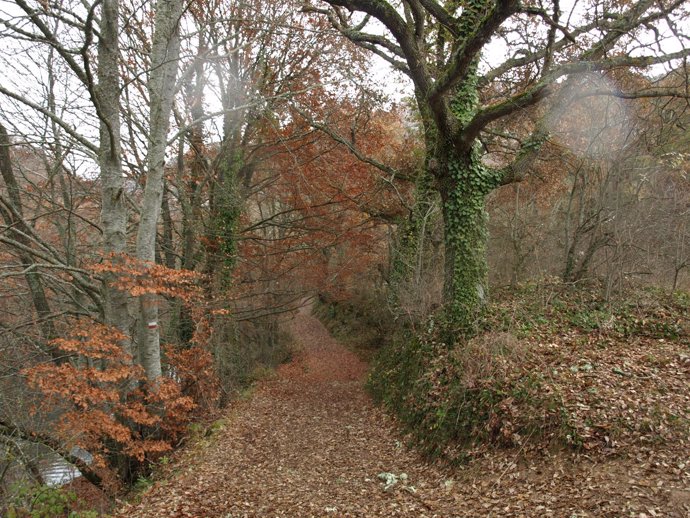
464, 183
438, 45
463, 194
226, 208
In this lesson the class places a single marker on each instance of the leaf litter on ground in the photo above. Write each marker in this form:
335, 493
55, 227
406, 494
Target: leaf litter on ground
310, 443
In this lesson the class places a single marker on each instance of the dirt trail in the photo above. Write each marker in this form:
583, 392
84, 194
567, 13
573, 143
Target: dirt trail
310, 443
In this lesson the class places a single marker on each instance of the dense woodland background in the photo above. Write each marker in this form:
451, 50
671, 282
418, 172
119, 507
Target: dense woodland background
178, 178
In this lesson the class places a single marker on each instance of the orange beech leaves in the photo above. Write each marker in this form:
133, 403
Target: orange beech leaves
98, 410
193, 370
140, 277
107, 406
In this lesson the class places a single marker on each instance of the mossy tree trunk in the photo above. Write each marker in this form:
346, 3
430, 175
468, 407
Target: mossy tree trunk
438, 46
464, 183
463, 193
226, 208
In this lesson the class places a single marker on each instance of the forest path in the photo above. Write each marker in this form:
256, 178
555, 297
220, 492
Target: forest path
309, 443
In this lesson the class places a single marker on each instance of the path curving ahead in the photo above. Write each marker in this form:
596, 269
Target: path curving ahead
309, 443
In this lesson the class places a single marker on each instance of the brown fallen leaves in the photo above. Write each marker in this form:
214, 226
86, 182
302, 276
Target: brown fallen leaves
311, 444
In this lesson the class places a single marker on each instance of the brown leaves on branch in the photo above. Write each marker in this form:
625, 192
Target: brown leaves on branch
106, 406
139, 277
98, 410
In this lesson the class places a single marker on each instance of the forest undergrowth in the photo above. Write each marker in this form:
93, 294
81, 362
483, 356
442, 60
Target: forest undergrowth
565, 406
556, 370
553, 365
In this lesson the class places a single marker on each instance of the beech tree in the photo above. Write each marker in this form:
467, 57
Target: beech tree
73, 109
460, 91
96, 68
165, 57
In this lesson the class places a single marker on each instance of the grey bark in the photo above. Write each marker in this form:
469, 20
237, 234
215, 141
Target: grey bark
113, 209
165, 55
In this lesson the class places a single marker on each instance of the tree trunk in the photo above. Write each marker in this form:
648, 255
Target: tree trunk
463, 194
409, 259
167, 245
464, 183
113, 210
165, 55
225, 210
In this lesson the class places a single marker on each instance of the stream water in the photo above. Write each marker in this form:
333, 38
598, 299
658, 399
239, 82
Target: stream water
54, 469
58, 472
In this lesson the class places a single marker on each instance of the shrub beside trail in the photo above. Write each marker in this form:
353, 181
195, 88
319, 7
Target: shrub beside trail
555, 367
